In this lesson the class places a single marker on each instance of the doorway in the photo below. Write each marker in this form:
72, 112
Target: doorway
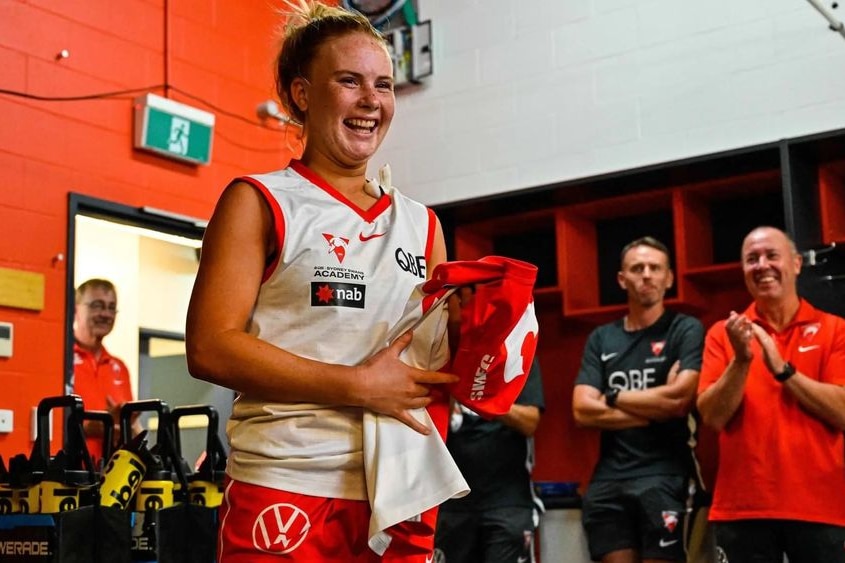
152, 257
163, 374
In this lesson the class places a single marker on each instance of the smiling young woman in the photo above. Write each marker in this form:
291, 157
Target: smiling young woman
298, 285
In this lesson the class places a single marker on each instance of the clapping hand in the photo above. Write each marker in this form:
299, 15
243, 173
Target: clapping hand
740, 333
771, 354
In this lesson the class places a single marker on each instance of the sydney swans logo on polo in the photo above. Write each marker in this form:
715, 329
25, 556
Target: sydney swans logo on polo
657, 348
280, 528
810, 330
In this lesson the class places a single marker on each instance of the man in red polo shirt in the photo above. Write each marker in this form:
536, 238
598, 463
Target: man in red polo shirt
101, 379
771, 384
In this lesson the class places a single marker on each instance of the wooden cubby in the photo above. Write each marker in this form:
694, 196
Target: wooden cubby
712, 219
700, 208
832, 201
531, 237
576, 247
591, 237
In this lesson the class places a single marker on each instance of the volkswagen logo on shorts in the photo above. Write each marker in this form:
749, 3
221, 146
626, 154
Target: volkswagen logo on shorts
280, 528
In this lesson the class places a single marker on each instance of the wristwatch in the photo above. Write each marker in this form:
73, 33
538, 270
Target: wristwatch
788, 371
611, 396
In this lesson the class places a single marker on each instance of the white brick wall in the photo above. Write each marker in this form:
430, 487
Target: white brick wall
532, 92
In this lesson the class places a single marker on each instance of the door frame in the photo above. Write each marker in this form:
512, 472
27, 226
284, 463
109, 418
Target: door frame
144, 217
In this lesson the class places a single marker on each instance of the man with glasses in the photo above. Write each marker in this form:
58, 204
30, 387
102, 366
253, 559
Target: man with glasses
101, 379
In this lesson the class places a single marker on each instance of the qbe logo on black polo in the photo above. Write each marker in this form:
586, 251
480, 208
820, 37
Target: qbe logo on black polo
336, 294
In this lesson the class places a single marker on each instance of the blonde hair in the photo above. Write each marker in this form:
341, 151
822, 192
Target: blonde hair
309, 24
93, 283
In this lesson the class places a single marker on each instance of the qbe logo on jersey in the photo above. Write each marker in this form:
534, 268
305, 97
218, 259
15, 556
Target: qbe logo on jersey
280, 528
336, 294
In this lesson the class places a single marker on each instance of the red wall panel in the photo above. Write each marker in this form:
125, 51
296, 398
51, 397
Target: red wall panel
221, 52
13, 64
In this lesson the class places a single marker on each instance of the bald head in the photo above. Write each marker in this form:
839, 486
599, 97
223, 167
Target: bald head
773, 232
771, 264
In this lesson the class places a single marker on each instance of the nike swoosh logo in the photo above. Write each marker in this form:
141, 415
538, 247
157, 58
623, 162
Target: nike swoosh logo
605, 357
363, 238
664, 543
808, 348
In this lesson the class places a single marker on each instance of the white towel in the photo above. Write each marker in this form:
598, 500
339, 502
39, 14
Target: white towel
407, 472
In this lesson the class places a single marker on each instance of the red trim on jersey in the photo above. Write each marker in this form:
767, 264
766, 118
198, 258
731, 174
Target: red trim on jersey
429, 242
368, 215
278, 223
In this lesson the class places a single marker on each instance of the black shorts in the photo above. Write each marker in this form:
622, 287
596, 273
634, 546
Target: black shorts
767, 541
497, 535
647, 514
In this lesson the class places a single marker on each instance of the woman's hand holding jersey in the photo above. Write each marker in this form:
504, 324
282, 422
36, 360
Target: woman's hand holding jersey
391, 387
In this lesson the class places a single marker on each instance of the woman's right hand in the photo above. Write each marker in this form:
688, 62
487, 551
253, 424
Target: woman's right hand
393, 388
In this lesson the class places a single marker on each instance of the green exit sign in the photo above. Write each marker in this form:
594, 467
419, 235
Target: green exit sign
172, 129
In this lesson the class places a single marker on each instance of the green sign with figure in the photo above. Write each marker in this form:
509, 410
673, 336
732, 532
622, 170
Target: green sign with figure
173, 129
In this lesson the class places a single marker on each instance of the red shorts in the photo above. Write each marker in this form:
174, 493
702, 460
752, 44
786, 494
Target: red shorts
259, 524
263, 525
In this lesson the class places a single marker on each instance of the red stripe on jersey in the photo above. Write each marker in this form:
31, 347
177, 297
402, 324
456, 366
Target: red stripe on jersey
429, 242
278, 224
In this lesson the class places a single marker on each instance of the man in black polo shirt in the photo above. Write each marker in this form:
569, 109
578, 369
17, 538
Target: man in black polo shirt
637, 384
495, 523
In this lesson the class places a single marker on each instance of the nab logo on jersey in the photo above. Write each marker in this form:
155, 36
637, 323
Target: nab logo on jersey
335, 294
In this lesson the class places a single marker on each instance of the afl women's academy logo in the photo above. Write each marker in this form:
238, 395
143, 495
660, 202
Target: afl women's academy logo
280, 528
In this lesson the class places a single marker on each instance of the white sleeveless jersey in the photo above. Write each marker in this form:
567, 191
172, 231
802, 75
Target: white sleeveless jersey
341, 281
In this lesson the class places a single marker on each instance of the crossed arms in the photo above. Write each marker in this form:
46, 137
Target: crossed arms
635, 408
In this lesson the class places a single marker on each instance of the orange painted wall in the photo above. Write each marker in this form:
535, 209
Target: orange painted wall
219, 51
